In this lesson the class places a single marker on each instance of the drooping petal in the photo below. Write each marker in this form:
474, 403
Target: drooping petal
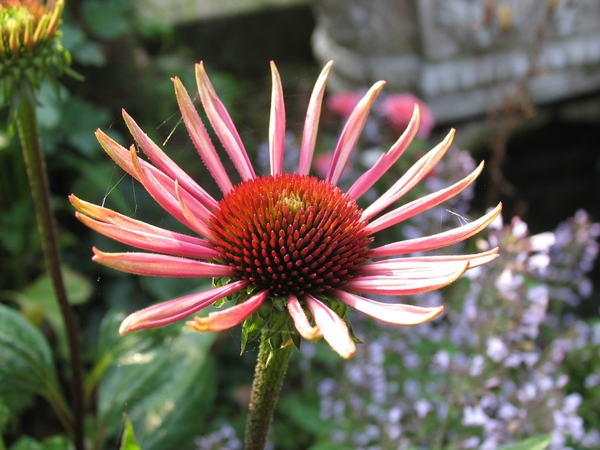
398, 265
223, 320
158, 265
439, 240
398, 314
350, 134
190, 216
148, 241
370, 177
311, 124
332, 326
168, 312
164, 198
120, 154
303, 326
200, 138
413, 175
128, 161
223, 125
409, 282
166, 164
129, 225
276, 123
422, 204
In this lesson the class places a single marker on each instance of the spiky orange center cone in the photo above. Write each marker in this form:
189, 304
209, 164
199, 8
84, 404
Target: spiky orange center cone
291, 234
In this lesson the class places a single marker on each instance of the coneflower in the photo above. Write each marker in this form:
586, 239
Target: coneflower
290, 251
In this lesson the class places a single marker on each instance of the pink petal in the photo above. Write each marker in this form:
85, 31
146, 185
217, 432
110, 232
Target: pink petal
277, 123
166, 165
148, 241
313, 114
164, 198
439, 240
157, 265
409, 282
223, 320
370, 177
417, 206
125, 159
398, 265
223, 125
128, 224
398, 314
190, 216
351, 133
332, 326
168, 312
200, 138
305, 329
415, 174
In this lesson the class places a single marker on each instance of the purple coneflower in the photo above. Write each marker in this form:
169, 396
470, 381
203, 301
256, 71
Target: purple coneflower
290, 251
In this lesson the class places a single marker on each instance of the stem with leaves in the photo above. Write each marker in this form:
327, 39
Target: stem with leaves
38, 181
271, 366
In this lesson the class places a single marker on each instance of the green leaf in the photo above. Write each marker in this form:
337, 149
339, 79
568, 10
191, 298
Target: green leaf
106, 19
329, 446
163, 379
38, 302
26, 363
128, 441
53, 443
533, 443
26, 443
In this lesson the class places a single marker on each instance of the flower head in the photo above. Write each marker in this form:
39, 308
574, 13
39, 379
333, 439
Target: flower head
398, 108
290, 251
30, 46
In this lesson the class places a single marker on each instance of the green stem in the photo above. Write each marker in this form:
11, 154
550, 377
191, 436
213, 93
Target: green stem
268, 378
38, 181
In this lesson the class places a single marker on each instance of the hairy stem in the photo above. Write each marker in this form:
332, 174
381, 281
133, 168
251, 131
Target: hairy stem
271, 366
38, 181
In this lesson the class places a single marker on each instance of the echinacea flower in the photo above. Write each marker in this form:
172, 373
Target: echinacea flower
289, 250
343, 103
30, 47
398, 108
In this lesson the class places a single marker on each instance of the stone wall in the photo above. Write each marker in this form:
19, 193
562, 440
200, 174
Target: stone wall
462, 57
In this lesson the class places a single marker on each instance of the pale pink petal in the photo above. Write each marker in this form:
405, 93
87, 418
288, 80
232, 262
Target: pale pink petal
350, 133
168, 312
223, 125
415, 174
397, 314
276, 124
157, 265
439, 240
334, 329
120, 221
125, 160
311, 124
370, 177
200, 138
120, 155
397, 265
223, 320
164, 198
190, 216
166, 165
305, 329
409, 282
148, 241
422, 204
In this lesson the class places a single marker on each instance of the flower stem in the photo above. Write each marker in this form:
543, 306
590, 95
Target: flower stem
271, 366
38, 181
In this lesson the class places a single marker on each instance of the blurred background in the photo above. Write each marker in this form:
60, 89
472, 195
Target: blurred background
519, 80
